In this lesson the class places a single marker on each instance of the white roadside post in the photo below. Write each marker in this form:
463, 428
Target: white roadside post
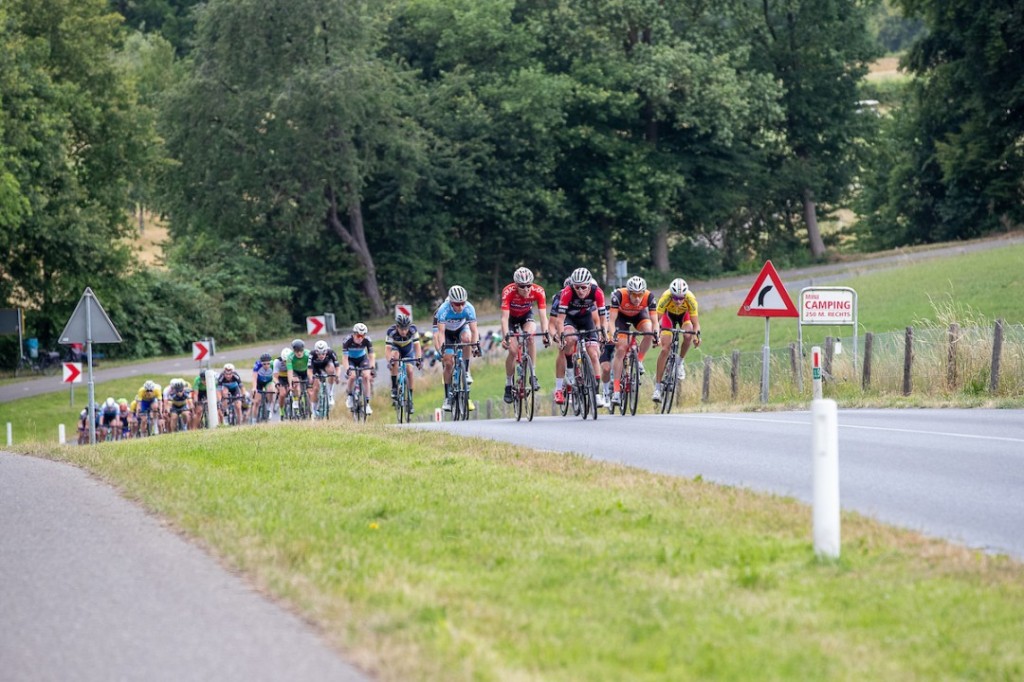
211, 398
10, 440
825, 452
61, 438
816, 373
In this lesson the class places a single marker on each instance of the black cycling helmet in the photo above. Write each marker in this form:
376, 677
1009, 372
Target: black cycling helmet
265, 357
298, 344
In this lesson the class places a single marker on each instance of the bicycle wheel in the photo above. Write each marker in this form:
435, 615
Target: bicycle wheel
634, 384
518, 395
399, 401
580, 389
590, 389
464, 392
325, 403
624, 386
529, 394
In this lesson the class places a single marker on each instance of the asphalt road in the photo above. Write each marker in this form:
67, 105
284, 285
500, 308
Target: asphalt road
951, 473
94, 589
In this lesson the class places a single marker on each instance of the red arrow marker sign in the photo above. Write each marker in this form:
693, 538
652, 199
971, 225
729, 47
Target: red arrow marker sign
199, 350
72, 372
315, 325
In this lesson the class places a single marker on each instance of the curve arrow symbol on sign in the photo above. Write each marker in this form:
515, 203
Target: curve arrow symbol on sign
199, 350
760, 296
315, 325
72, 372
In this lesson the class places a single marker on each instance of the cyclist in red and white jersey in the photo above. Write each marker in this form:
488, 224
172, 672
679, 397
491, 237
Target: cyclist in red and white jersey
517, 301
580, 309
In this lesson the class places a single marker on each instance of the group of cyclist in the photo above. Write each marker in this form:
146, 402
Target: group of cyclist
578, 312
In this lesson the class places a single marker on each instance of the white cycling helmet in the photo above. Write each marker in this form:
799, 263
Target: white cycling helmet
228, 367
580, 276
360, 328
402, 320
177, 383
457, 294
284, 352
636, 284
678, 287
523, 276
149, 385
320, 346
110, 402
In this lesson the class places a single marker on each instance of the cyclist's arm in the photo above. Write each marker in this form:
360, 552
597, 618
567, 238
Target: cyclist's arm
504, 322
696, 329
474, 334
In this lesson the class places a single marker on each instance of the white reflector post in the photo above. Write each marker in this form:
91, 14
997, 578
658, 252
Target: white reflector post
61, 438
10, 439
211, 398
825, 451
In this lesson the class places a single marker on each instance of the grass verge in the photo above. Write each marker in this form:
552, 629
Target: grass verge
426, 556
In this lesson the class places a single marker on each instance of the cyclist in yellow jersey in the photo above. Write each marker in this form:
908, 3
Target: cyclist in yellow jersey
677, 307
148, 400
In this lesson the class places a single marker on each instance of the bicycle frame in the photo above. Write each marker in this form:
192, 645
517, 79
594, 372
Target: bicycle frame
403, 398
583, 391
629, 382
460, 389
358, 400
522, 385
323, 402
668, 378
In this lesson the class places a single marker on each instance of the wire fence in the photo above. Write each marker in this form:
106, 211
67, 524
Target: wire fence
942, 361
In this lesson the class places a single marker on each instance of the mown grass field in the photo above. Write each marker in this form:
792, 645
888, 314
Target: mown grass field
426, 556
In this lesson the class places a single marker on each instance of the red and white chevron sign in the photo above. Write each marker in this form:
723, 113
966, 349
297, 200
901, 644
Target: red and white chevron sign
200, 350
316, 325
72, 372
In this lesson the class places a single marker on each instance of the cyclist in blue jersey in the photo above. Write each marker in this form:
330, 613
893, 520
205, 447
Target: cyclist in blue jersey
357, 353
230, 383
262, 377
455, 323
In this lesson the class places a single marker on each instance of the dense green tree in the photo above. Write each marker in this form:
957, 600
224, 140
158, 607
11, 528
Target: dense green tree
171, 19
819, 50
284, 118
70, 139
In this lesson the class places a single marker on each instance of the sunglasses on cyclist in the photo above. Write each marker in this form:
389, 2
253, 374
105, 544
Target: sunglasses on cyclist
458, 305
581, 287
678, 298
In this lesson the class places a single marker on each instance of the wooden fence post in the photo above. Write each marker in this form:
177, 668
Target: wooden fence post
869, 342
826, 361
997, 351
951, 373
794, 366
490, 408
735, 375
908, 361
706, 388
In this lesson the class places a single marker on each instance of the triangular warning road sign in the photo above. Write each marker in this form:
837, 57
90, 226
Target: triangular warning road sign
768, 298
89, 320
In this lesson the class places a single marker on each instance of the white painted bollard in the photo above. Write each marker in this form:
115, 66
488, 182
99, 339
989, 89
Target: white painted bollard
438, 414
816, 373
825, 452
61, 437
211, 398
10, 435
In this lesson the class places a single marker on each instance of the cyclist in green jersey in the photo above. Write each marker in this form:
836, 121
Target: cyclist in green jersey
298, 368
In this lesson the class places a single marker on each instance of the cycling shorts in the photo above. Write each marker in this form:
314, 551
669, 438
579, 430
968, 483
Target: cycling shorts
454, 337
516, 323
299, 376
607, 351
261, 383
178, 409
669, 320
107, 419
622, 322
362, 362
406, 352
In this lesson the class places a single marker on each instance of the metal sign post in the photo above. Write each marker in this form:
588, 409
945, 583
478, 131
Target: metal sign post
828, 306
767, 298
89, 324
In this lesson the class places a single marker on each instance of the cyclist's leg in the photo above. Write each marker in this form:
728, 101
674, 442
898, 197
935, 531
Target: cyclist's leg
666, 345
687, 340
621, 346
394, 366
645, 324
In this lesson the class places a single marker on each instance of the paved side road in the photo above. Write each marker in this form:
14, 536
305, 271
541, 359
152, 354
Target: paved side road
93, 588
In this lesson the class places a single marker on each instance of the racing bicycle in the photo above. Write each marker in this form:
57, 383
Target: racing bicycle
402, 399
525, 379
460, 385
670, 378
629, 383
581, 393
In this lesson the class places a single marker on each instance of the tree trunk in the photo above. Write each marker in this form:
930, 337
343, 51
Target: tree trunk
609, 253
659, 250
813, 231
355, 238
